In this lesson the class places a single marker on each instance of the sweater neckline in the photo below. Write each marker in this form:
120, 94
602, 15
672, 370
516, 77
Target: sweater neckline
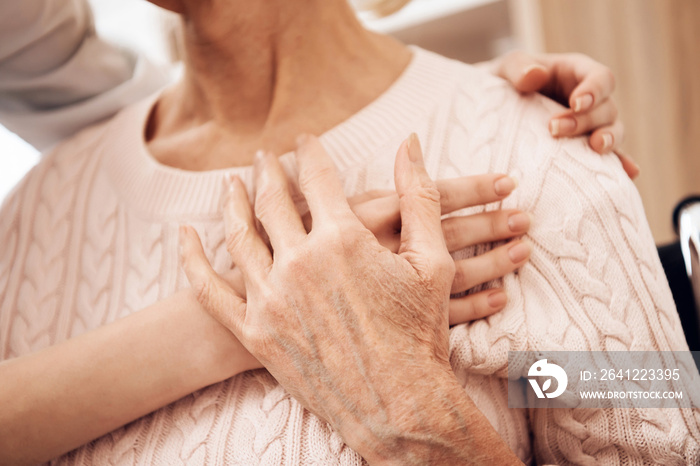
155, 190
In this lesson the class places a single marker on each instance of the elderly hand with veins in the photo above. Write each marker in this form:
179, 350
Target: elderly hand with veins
355, 332
378, 210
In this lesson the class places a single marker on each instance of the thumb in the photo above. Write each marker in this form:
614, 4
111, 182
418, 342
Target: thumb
524, 72
422, 240
212, 292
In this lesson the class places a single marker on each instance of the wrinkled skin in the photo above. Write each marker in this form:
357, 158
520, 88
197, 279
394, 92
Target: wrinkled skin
358, 334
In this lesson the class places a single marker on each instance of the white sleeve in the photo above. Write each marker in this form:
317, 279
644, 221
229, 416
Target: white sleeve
57, 76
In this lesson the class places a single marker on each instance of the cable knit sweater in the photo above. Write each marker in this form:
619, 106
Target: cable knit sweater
90, 236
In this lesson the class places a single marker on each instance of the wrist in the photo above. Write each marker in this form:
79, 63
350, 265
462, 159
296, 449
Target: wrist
217, 355
439, 424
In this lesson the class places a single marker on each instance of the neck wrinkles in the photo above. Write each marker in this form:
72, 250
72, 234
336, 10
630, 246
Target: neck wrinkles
252, 67
259, 74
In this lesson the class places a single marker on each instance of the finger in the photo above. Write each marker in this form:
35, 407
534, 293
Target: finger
477, 306
212, 292
422, 243
243, 242
607, 138
380, 215
369, 196
234, 279
274, 206
319, 181
486, 227
571, 124
524, 72
596, 85
491, 265
628, 164
467, 191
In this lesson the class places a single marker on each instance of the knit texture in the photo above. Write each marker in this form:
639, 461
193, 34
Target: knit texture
90, 236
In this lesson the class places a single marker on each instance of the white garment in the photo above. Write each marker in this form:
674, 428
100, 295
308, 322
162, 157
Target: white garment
57, 76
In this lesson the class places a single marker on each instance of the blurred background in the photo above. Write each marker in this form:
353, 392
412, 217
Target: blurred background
652, 46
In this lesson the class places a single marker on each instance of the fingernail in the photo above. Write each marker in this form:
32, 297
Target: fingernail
607, 142
562, 126
519, 222
497, 299
234, 182
636, 167
302, 139
228, 179
182, 238
504, 186
519, 252
629, 165
583, 103
530, 68
259, 156
415, 154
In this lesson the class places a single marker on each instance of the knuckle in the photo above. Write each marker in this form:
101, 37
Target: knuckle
203, 293
485, 187
496, 223
349, 240
254, 339
293, 262
426, 192
331, 234
447, 197
446, 266
470, 308
443, 272
270, 299
314, 175
237, 236
268, 199
459, 275
447, 273
450, 230
357, 240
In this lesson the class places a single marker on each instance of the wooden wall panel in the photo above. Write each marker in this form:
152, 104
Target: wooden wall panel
653, 47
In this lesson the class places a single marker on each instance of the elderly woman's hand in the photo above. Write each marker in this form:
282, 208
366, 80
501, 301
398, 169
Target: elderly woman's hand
355, 332
379, 212
578, 82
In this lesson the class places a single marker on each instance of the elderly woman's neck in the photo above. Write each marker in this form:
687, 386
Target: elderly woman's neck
258, 77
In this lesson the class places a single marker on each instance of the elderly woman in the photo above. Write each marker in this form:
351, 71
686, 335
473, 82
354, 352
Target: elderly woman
93, 237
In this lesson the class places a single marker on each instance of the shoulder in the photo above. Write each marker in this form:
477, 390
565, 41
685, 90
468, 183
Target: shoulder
594, 258
468, 87
493, 128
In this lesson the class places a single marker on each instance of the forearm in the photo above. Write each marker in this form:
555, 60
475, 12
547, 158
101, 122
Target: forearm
66, 395
444, 427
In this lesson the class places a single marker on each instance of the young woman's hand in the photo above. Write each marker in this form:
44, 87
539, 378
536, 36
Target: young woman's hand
379, 212
578, 82
356, 333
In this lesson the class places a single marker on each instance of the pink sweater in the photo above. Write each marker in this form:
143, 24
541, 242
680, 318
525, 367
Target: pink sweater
90, 236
